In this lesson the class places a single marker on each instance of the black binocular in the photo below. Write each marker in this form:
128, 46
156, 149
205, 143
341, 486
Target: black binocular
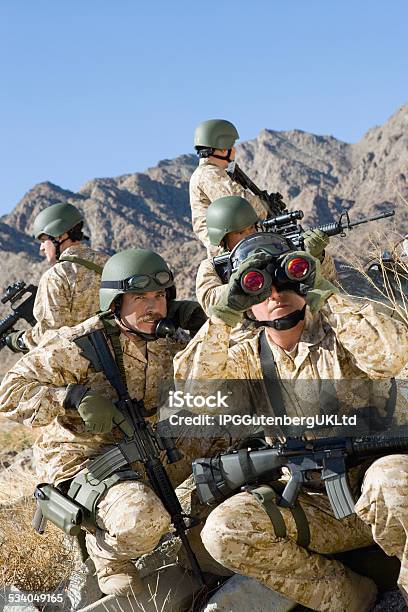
295, 270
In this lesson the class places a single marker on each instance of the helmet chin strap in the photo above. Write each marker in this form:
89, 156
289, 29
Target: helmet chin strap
57, 244
226, 157
284, 322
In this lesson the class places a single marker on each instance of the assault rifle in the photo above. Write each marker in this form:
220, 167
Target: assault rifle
24, 310
145, 446
287, 225
219, 477
273, 201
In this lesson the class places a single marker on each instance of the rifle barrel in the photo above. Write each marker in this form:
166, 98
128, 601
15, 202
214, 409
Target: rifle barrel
377, 445
389, 213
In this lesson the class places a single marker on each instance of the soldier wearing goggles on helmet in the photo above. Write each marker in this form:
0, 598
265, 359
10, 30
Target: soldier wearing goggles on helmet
60, 388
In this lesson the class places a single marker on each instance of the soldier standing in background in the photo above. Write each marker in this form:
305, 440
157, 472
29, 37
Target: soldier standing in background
214, 142
68, 291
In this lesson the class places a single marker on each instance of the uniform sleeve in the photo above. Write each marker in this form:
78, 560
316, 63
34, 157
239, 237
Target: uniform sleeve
377, 344
52, 307
208, 285
208, 356
328, 268
34, 390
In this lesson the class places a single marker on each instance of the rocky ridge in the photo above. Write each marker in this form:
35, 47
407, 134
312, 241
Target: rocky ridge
318, 174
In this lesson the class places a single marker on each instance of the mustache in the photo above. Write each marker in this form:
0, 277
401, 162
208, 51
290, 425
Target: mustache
150, 317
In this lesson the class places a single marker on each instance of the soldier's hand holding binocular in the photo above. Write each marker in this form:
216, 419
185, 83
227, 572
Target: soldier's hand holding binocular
252, 282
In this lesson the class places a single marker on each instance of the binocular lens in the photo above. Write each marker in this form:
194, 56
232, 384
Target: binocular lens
253, 281
297, 268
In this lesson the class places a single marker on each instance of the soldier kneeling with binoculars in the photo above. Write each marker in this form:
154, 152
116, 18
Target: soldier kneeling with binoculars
310, 332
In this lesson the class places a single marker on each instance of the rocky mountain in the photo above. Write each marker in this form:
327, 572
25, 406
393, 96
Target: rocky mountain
318, 174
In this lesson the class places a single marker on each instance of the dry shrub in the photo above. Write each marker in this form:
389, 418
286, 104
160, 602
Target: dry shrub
387, 284
29, 561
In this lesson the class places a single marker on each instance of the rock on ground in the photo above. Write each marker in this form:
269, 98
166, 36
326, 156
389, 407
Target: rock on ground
240, 594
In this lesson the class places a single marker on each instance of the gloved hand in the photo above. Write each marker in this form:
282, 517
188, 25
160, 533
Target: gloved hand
322, 289
186, 314
15, 342
234, 301
315, 241
99, 413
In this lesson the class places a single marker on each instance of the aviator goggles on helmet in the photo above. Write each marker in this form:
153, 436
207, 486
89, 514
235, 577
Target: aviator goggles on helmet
140, 281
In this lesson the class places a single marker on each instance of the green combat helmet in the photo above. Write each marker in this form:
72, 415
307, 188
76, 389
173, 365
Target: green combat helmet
56, 220
228, 214
214, 134
135, 271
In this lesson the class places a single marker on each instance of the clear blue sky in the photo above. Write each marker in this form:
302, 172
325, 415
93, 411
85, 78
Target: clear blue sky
93, 88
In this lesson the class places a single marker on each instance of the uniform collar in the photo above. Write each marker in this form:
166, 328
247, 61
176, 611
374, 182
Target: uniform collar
204, 161
313, 333
314, 330
141, 349
77, 249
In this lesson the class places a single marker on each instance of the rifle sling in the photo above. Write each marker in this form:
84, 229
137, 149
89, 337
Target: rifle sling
91, 265
271, 376
113, 333
269, 500
246, 466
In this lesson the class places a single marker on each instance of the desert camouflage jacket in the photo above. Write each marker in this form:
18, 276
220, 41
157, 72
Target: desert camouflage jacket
34, 390
209, 182
68, 293
348, 347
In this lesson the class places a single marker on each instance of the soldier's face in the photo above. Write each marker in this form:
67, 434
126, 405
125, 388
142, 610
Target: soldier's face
48, 250
142, 310
232, 238
279, 304
223, 163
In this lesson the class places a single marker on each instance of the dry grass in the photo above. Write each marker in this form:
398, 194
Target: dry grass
388, 283
14, 438
28, 560
16, 483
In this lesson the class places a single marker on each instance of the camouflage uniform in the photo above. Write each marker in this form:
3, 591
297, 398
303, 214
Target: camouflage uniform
33, 393
68, 293
209, 182
344, 341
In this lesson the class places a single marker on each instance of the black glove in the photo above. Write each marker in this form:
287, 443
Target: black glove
186, 314
234, 301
